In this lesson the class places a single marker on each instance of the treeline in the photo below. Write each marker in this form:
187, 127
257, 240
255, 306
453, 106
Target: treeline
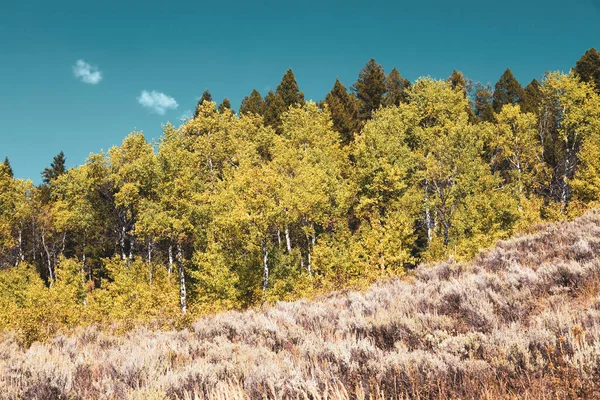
289, 197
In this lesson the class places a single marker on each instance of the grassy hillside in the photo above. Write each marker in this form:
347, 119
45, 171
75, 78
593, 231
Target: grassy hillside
522, 320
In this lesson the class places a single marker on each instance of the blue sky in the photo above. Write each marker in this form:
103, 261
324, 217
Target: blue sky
180, 48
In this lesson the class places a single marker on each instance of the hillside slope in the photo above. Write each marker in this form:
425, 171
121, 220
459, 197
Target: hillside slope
521, 320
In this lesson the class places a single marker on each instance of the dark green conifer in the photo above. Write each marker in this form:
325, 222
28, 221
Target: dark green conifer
396, 87
8, 168
532, 97
289, 91
274, 107
588, 68
344, 111
482, 103
253, 104
369, 89
507, 91
225, 105
57, 168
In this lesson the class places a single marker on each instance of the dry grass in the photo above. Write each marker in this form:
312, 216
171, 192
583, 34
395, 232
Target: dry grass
521, 321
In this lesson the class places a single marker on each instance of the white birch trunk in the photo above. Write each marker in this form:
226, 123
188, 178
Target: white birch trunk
288, 241
265, 265
182, 289
170, 269
49, 259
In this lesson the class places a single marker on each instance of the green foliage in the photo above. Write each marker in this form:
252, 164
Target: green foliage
274, 108
344, 111
369, 89
225, 105
507, 91
458, 82
482, 107
128, 296
56, 169
396, 87
532, 97
253, 104
205, 98
570, 115
289, 91
290, 199
588, 68
7, 167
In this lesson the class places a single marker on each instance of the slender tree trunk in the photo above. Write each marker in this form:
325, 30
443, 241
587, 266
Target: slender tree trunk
131, 245
49, 258
311, 246
150, 248
21, 256
182, 290
564, 195
170, 269
34, 241
428, 220
83, 259
265, 265
288, 241
122, 243
445, 226
64, 243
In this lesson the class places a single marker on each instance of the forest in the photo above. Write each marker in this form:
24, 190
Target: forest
288, 198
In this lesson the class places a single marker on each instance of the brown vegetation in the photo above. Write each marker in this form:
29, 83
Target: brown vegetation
521, 321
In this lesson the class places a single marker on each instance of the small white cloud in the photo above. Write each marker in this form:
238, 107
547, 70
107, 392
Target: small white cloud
157, 102
87, 73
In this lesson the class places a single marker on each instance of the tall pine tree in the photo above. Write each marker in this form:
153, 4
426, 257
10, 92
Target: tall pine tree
274, 107
532, 97
369, 89
225, 105
344, 111
588, 68
507, 91
253, 104
57, 168
396, 87
482, 106
289, 91
8, 168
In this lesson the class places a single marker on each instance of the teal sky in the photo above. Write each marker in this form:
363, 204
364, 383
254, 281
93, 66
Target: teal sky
180, 48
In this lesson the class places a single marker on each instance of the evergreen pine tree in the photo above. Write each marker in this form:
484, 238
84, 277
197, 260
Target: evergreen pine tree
507, 91
8, 168
344, 109
225, 105
588, 68
396, 87
532, 97
483, 103
458, 81
57, 168
289, 91
206, 96
253, 104
369, 89
274, 107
